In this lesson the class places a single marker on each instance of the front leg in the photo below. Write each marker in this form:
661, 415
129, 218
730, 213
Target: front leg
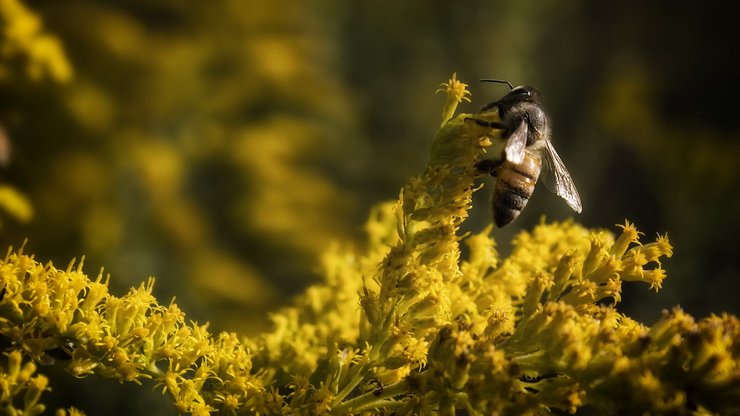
489, 166
486, 123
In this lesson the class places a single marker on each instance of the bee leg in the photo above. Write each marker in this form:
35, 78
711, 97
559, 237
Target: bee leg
489, 166
486, 123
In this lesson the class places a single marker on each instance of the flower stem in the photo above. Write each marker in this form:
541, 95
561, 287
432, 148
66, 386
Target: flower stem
378, 398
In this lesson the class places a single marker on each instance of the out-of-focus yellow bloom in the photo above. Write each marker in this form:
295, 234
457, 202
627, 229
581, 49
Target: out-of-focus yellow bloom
15, 204
23, 40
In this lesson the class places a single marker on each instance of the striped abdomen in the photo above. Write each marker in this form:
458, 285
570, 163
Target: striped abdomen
514, 186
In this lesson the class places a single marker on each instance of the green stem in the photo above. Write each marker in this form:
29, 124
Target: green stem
375, 399
371, 361
356, 379
524, 357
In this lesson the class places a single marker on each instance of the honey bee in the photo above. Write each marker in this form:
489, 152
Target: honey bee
524, 126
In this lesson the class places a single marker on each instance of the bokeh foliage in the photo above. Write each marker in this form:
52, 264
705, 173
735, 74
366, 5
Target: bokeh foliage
222, 147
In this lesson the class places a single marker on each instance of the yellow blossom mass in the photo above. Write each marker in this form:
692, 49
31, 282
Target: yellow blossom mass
407, 325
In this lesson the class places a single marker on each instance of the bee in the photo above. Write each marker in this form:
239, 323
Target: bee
524, 126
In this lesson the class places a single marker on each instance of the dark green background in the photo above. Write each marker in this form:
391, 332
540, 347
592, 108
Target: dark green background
642, 98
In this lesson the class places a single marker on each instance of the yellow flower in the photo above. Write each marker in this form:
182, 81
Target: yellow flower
456, 93
408, 325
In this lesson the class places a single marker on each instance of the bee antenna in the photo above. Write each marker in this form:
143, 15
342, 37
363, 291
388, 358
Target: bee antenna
500, 81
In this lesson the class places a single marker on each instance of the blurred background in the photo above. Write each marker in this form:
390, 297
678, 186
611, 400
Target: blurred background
221, 146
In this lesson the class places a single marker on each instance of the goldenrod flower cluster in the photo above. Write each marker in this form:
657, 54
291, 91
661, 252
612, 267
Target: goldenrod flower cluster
49, 313
407, 325
20, 389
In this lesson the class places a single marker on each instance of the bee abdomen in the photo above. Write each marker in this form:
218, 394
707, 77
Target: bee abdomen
514, 186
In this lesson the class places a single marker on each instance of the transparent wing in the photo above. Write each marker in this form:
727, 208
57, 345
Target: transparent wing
557, 179
516, 144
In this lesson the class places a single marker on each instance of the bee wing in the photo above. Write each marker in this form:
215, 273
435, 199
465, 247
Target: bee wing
557, 179
517, 143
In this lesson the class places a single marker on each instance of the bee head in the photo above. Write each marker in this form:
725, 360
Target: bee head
522, 93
